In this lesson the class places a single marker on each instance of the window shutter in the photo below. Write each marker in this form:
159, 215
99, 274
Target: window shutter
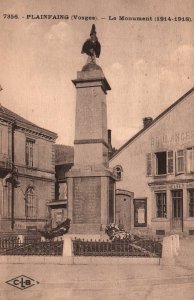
184, 160
153, 164
188, 160
175, 159
192, 160
149, 164
170, 162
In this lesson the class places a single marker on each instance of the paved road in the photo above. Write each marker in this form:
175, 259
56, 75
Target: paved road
104, 282
99, 282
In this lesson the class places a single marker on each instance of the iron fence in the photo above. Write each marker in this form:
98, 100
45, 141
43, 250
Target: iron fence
32, 239
119, 247
9, 242
13, 246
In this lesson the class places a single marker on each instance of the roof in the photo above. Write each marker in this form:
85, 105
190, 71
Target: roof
64, 154
153, 122
20, 121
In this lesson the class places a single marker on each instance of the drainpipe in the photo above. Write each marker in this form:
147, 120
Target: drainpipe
13, 183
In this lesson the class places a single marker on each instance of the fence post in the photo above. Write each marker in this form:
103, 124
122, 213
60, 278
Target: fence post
21, 238
67, 246
167, 251
177, 242
174, 245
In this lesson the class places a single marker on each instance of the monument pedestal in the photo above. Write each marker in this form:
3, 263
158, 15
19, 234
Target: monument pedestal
90, 200
91, 203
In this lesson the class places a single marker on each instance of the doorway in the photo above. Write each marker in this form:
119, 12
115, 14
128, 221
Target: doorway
177, 210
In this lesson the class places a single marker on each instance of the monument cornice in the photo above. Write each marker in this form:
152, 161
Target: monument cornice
79, 173
91, 141
92, 82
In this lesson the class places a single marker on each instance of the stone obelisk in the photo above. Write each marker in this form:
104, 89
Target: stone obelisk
91, 204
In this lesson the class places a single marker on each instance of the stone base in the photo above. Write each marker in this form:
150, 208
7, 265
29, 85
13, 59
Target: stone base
85, 229
167, 261
85, 237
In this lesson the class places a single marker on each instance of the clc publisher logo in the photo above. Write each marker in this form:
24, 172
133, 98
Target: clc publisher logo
22, 282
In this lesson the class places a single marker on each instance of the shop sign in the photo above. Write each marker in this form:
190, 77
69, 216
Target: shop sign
176, 186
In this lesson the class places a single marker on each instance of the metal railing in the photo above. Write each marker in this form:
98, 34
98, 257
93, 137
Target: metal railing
30, 246
32, 239
9, 242
141, 248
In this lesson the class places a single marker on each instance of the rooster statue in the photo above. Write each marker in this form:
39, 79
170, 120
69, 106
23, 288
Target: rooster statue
92, 46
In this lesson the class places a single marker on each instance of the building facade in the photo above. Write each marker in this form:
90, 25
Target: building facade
27, 173
157, 166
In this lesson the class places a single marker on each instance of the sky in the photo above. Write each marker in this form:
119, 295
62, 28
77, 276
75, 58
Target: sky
148, 64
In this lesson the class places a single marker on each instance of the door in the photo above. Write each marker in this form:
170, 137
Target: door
123, 210
177, 210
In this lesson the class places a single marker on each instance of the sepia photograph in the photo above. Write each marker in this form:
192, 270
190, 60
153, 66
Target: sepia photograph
97, 149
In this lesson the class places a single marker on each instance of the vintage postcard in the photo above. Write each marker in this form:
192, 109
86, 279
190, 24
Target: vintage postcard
96, 149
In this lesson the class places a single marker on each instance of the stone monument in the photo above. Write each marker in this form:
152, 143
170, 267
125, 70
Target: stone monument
91, 185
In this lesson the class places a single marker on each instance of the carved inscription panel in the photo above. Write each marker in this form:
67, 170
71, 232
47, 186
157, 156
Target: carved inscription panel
87, 199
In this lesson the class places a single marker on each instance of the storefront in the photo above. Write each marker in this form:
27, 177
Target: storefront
173, 207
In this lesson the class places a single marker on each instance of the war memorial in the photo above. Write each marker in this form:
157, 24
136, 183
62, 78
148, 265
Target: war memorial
91, 185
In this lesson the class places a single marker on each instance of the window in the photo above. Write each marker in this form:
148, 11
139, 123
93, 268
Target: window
177, 204
63, 191
161, 209
29, 152
30, 205
164, 162
180, 161
191, 202
118, 172
161, 163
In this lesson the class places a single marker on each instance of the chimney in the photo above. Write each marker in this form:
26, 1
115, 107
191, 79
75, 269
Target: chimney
109, 141
147, 121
